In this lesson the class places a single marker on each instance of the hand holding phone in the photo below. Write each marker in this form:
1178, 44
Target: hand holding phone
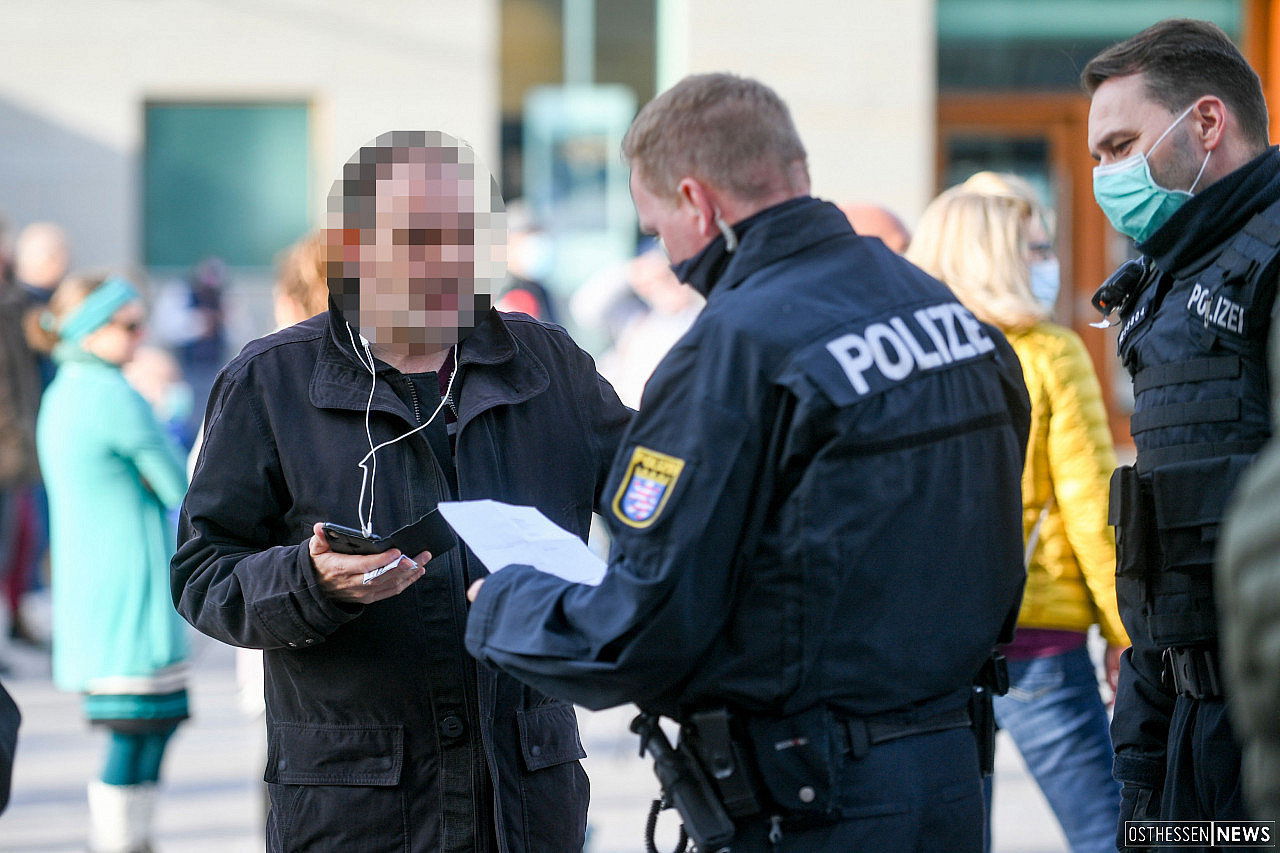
341, 576
429, 533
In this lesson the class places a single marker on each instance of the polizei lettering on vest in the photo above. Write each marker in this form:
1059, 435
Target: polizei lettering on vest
896, 349
1216, 310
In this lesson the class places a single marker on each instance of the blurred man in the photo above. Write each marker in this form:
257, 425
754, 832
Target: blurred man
383, 734
40, 259
648, 336
816, 515
529, 259
19, 471
1179, 127
872, 220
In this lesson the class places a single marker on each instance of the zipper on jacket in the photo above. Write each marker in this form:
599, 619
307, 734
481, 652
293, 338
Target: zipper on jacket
413, 395
448, 399
483, 740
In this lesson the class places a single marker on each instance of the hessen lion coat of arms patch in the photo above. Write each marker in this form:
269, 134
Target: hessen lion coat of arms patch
647, 485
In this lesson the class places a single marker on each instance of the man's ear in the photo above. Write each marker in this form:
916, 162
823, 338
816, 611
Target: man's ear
1210, 115
697, 196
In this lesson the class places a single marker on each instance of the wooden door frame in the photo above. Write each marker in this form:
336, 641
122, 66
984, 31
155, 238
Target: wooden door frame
1261, 45
1061, 119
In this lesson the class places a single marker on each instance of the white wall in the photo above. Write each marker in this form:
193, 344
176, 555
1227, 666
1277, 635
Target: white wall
858, 75
77, 74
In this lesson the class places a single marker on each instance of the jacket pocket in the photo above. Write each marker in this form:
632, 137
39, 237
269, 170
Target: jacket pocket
337, 787
796, 757
554, 791
1034, 683
1190, 500
549, 736
1130, 512
315, 754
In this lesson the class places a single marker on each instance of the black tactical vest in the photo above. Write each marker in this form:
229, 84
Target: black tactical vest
1195, 345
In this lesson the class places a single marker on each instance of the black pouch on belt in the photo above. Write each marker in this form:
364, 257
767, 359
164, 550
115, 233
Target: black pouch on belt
992, 680
710, 736
983, 719
796, 757
1132, 511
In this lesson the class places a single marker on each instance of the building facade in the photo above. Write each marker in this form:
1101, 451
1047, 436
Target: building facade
159, 132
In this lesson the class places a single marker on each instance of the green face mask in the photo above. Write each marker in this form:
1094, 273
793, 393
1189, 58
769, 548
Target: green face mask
1136, 205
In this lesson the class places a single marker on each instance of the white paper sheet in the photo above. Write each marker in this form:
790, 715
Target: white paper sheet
503, 534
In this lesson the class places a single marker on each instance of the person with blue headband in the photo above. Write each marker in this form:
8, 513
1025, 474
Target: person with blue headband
113, 477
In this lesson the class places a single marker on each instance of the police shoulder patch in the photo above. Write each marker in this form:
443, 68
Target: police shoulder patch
646, 486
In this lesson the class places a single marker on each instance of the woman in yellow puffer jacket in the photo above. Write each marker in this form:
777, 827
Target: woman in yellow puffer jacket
988, 239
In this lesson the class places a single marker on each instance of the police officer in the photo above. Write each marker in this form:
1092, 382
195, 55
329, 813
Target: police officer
1179, 126
816, 515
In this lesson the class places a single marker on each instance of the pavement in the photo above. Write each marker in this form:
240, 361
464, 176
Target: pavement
211, 801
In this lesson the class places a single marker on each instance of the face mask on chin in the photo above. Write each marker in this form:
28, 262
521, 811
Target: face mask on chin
693, 271
1045, 280
1131, 199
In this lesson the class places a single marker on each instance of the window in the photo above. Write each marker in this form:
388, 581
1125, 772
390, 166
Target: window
227, 180
1021, 45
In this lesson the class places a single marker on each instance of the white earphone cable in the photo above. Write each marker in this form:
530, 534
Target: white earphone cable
366, 523
369, 479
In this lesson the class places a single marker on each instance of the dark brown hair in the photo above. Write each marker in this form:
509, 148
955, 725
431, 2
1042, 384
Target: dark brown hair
1184, 59
730, 131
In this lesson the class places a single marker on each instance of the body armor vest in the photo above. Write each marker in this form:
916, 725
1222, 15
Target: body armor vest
1195, 344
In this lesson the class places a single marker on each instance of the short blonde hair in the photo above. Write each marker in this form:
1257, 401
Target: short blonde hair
730, 131
975, 238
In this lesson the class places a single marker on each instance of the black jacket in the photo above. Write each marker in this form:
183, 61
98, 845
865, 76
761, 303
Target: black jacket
817, 504
1194, 338
378, 721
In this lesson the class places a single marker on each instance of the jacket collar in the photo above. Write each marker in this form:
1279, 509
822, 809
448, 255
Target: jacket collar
498, 369
1207, 220
766, 237
495, 369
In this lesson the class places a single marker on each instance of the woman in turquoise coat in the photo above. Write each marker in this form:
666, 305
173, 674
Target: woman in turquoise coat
112, 477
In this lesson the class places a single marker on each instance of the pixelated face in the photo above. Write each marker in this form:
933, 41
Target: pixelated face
426, 264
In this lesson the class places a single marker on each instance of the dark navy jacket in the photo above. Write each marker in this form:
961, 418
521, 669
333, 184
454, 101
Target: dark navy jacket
818, 502
378, 722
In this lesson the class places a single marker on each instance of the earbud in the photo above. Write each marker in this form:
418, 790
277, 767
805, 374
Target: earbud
730, 236
351, 333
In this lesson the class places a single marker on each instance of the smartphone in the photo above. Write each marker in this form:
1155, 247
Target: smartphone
429, 533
